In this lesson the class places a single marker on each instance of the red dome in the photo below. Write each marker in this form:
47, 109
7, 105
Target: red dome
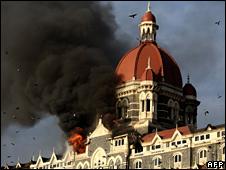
188, 89
134, 64
148, 16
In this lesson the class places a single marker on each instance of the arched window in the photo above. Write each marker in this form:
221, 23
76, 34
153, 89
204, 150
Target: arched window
176, 110
148, 105
122, 108
117, 163
177, 158
170, 109
202, 154
86, 165
138, 164
157, 161
111, 164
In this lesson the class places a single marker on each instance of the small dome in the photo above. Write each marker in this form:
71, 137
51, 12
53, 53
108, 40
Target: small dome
148, 16
189, 89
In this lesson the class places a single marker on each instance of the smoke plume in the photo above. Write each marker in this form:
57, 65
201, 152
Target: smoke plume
58, 58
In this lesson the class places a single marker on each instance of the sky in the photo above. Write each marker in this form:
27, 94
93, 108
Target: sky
187, 30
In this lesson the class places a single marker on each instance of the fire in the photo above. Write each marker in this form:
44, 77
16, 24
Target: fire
77, 140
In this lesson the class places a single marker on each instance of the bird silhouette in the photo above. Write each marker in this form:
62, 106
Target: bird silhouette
13, 144
206, 112
219, 96
132, 15
218, 22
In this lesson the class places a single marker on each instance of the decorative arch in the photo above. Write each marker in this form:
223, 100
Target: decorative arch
137, 164
86, 165
142, 98
118, 161
111, 163
122, 106
98, 159
79, 166
157, 160
202, 155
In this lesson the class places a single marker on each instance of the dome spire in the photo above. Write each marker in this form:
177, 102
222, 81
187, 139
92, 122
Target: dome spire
148, 6
188, 78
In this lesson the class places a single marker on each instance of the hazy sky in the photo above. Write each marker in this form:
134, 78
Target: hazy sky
188, 31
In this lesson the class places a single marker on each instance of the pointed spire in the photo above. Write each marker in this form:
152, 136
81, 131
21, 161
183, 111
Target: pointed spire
39, 154
188, 78
149, 63
148, 6
176, 126
33, 157
53, 151
156, 130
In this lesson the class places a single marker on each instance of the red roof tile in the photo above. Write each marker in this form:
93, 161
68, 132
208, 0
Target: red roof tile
165, 134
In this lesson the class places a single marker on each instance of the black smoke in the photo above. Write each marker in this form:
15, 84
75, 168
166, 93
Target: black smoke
58, 58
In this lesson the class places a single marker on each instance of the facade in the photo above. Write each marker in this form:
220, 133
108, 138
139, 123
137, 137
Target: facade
156, 124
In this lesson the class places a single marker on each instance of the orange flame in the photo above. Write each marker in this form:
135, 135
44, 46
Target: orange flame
77, 140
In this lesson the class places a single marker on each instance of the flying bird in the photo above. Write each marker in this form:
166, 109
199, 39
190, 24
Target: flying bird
13, 144
132, 15
219, 96
218, 22
206, 112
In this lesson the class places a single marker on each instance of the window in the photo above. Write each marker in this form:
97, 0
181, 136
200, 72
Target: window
148, 105
223, 133
178, 142
116, 143
119, 142
177, 158
138, 165
202, 137
196, 138
157, 146
148, 148
224, 150
157, 161
122, 141
218, 134
142, 102
202, 154
207, 136
173, 143
167, 144
184, 141
153, 147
